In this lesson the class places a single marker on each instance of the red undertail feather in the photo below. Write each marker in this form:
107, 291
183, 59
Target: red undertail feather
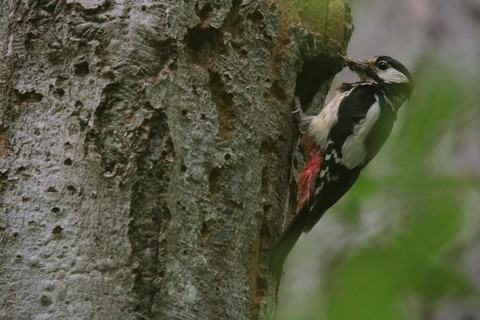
308, 175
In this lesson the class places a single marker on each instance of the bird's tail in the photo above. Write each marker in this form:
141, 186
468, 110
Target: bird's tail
280, 251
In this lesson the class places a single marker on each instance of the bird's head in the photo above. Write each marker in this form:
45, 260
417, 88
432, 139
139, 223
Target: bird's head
382, 70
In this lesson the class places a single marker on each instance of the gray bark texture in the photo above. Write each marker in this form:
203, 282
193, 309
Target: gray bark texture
147, 151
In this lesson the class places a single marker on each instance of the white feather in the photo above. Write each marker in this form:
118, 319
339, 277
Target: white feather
320, 125
353, 149
392, 75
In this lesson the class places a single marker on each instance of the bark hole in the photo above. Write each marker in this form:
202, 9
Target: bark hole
81, 69
45, 301
58, 92
266, 147
51, 189
225, 106
21, 96
205, 45
150, 215
57, 230
316, 72
55, 210
71, 190
257, 270
265, 182
276, 92
215, 182
207, 228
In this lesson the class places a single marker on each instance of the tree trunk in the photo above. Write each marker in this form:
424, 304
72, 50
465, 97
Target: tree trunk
146, 151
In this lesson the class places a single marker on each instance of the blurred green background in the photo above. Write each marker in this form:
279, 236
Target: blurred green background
404, 243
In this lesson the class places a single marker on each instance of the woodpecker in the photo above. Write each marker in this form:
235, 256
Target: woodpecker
343, 138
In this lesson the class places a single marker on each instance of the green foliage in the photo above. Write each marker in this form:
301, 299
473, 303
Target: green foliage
373, 283
350, 208
437, 102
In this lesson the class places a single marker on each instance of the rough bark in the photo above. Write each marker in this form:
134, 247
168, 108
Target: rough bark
146, 152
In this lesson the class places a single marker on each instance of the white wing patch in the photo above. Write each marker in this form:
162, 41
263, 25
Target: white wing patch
353, 149
391, 75
320, 125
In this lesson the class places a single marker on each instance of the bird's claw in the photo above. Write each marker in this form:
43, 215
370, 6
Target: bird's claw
297, 112
298, 106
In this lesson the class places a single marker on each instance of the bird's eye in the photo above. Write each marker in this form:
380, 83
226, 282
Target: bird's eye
382, 65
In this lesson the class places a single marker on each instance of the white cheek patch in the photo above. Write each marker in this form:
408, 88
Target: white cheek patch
353, 149
391, 75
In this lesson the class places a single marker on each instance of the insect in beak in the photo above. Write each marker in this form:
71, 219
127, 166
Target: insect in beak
359, 66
